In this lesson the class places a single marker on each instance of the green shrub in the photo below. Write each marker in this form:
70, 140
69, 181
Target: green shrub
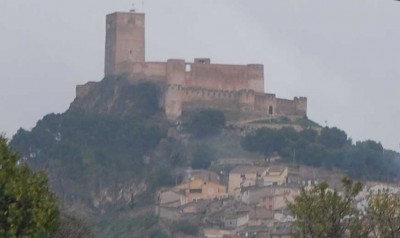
185, 227
207, 123
203, 155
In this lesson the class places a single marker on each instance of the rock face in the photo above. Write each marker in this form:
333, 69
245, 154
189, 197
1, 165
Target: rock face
119, 194
118, 96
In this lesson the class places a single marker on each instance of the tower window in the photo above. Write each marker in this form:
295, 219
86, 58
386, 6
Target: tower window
188, 67
109, 24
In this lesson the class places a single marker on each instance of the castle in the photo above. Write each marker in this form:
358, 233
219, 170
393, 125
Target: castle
190, 86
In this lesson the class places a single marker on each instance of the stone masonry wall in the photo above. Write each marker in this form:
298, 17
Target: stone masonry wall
125, 41
179, 98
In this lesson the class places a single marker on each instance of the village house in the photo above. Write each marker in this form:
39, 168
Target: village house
269, 197
247, 176
228, 214
171, 197
237, 219
243, 176
273, 202
260, 216
252, 232
278, 197
283, 230
187, 198
206, 175
374, 189
199, 189
276, 175
216, 232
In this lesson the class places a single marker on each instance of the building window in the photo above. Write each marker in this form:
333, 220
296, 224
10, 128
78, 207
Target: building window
188, 67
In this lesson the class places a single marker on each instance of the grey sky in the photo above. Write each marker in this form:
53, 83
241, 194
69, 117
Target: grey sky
343, 55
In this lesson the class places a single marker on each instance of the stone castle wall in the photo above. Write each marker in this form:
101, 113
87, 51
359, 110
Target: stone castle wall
208, 76
179, 98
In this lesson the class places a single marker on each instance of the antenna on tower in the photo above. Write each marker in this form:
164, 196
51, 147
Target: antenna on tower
133, 8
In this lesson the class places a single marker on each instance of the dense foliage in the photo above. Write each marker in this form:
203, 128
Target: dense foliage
144, 96
185, 227
384, 213
322, 212
331, 149
206, 123
203, 156
27, 208
89, 150
78, 140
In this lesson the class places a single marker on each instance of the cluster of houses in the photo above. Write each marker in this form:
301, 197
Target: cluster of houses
250, 201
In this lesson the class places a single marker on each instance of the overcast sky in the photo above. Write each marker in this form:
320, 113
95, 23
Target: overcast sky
344, 55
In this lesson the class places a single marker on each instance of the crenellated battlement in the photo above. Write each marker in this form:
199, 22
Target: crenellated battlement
196, 84
242, 100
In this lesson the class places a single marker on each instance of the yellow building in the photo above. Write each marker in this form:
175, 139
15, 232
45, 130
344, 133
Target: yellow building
199, 189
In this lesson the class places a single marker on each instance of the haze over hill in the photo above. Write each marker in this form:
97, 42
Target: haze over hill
340, 54
125, 153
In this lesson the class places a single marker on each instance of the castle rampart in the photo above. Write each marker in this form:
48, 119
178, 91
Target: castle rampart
205, 75
180, 98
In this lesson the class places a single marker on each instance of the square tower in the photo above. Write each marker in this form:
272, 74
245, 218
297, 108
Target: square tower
125, 41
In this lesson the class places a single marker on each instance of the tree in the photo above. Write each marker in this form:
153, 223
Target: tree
266, 141
333, 138
384, 214
207, 123
323, 213
27, 208
309, 135
203, 156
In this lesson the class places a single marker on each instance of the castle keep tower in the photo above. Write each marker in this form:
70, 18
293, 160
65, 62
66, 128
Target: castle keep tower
125, 41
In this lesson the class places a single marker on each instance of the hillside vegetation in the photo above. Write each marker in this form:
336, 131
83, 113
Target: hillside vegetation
112, 149
330, 149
